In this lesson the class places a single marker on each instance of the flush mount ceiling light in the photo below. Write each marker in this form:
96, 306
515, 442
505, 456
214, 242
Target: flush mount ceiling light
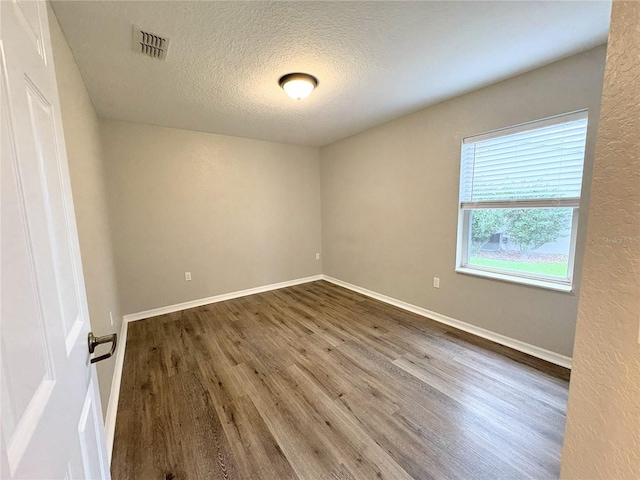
298, 85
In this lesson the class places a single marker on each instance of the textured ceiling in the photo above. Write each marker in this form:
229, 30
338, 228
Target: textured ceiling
375, 61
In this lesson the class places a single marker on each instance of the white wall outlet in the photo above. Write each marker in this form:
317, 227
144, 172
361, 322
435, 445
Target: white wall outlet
187, 276
317, 256
111, 318
436, 282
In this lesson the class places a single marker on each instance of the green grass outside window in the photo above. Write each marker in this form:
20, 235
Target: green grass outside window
554, 269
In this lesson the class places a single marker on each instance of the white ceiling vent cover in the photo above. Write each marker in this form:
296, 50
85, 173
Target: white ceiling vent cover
150, 44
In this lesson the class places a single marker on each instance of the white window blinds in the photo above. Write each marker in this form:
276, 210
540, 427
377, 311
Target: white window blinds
535, 164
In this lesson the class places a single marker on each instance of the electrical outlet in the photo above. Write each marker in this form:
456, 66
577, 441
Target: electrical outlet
187, 276
317, 256
111, 318
436, 282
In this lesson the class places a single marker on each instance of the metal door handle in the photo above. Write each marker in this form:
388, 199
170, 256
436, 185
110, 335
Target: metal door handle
95, 341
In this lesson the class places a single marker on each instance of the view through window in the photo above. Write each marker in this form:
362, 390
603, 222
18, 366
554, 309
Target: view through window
519, 198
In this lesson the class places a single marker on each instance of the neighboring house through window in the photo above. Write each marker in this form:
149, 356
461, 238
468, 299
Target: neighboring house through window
519, 198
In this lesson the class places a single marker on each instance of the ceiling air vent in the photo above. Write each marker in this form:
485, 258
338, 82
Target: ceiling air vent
149, 44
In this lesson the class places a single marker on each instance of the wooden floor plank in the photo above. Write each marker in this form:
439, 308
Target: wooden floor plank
254, 447
318, 382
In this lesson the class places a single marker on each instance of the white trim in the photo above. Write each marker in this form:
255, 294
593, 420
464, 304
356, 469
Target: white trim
112, 408
573, 202
493, 274
527, 348
217, 298
114, 395
528, 126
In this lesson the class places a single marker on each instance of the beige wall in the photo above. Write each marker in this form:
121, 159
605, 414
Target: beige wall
390, 204
602, 438
82, 138
236, 213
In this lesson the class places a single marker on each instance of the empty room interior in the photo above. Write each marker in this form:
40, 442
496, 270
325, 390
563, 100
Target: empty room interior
325, 240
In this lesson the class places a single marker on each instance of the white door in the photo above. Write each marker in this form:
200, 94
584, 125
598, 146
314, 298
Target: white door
52, 423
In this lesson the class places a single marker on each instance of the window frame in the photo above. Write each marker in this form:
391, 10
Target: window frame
465, 209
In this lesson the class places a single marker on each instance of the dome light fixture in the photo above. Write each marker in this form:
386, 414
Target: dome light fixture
298, 85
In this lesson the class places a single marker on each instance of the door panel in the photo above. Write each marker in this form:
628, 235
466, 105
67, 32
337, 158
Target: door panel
28, 14
57, 229
88, 435
52, 424
25, 391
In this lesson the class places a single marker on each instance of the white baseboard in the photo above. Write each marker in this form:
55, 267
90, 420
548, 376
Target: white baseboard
217, 298
527, 348
114, 395
112, 408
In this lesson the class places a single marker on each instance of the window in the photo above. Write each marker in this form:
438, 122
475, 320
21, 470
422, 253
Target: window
519, 199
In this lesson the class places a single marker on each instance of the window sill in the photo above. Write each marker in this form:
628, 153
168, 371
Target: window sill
531, 282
